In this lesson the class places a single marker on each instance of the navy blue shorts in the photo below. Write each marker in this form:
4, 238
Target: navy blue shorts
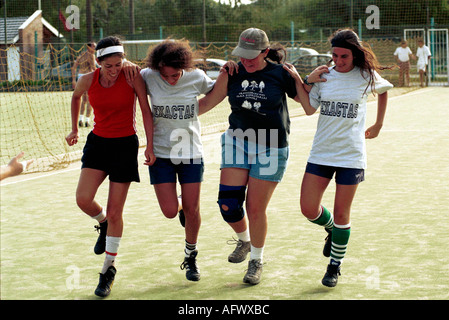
346, 176
165, 171
115, 156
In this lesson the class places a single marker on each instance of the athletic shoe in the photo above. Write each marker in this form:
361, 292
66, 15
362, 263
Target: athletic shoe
86, 124
182, 218
254, 272
106, 282
240, 252
189, 264
330, 279
327, 244
80, 123
102, 229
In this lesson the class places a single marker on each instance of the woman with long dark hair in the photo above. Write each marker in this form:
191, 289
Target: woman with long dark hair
339, 143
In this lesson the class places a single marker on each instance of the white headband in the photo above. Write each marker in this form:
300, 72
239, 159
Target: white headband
109, 50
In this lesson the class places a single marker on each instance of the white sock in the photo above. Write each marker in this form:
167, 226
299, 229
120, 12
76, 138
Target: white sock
189, 248
112, 244
101, 216
81, 117
244, 236
179, 202
256, 253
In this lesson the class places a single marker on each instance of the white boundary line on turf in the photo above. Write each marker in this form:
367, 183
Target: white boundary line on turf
39, 176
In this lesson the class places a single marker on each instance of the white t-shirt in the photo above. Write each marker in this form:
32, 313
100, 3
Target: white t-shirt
340, 137
177, 129
423, 54
403, 53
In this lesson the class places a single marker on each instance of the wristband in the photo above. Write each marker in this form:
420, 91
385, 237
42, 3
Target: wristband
306, 82
24, 165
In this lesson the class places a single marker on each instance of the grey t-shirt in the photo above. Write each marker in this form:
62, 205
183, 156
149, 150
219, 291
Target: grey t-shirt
177, 129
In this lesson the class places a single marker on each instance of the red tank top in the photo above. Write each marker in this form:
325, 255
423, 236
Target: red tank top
114, 107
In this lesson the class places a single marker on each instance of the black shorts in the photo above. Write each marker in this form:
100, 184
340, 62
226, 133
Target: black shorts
346, 176
115, 156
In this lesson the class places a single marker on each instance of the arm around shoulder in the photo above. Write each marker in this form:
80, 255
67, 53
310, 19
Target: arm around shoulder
147, 116
302, 95
216, 95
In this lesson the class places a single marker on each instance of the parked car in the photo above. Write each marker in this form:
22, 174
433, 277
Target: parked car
294, 53
306, 64
64, 71
210, 66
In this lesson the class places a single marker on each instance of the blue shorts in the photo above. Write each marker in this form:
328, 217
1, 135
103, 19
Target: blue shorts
115, 156
345, 176
165, 171
264, 163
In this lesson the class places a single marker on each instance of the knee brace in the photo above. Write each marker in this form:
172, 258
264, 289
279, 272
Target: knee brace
230, 200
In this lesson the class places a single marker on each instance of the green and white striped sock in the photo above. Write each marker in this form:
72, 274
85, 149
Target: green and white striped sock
324, 219
340, 239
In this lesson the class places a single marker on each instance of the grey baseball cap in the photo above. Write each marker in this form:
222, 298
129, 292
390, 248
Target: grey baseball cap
251, 42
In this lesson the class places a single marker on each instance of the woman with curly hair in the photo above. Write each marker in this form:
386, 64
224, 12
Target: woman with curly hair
174, 84
339, 144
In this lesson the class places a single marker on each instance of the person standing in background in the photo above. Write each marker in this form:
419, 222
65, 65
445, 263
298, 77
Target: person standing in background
403, 55
423, 54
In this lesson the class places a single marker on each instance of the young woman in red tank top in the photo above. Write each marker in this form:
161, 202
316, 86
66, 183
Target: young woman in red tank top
111, 148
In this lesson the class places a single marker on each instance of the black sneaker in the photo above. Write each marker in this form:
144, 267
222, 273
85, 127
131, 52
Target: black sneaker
102, 229
106, 282
330, 279
189, 264
182, 218
327, 244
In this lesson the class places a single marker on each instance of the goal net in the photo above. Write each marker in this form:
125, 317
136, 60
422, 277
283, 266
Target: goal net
36, 57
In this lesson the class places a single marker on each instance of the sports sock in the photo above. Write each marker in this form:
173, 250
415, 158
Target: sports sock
112, 244
340, 239
179, 203
244, 236
101, 217
189, 248
324, 219
256, 253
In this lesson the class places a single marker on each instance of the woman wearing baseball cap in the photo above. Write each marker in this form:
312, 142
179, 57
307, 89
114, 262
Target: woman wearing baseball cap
255, 147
